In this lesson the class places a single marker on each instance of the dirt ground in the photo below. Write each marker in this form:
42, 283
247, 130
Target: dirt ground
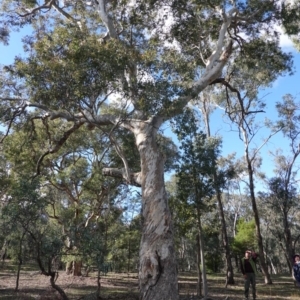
33, 285
124, 286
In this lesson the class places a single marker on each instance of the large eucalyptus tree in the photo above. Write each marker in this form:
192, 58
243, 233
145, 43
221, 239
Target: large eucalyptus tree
126, 64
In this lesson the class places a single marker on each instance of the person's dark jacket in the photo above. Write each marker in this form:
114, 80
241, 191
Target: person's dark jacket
249, 265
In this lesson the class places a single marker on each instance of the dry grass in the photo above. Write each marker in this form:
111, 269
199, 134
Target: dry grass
282, 288
125, 287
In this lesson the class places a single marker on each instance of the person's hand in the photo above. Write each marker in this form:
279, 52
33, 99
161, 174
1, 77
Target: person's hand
245, 276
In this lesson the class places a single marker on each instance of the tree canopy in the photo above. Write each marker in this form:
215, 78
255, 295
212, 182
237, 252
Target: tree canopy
92, 70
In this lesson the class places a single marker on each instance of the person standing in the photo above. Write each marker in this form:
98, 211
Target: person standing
296, 269
249, 271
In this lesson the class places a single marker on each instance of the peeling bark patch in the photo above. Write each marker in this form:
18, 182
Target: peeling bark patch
149, 269
153, 268
165, 252
140, 139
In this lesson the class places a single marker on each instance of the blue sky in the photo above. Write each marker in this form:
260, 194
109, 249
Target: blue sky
231, 142
282, 86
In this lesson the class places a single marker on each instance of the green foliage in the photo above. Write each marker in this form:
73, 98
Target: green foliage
197, 162
78, 69
68, 66
290, 19
213, 257
245, 237
25, 224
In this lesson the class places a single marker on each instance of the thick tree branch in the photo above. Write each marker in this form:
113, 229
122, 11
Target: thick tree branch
65, 14
227, 18
84, 117
135, 178
198, 86
58, 145
121, 154
47, 5
106, 18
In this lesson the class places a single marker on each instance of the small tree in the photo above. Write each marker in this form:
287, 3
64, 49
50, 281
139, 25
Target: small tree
195, 179
245, 237
28, 227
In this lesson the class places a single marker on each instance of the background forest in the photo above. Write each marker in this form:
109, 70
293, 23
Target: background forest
108, 159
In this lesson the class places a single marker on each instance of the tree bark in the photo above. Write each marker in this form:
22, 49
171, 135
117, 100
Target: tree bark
77, 268
198, 267
201, 247
264, 266
20, 259
158, 269
74, 267
289, 249
3, 251
229, 268
69, 267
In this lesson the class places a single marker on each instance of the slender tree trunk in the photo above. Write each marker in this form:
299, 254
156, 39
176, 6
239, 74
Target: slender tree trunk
18, 272
128, 259
158, 269
182, 255
20, 259
53, 275
199, 267
56, 287
4, 250
289, 249
236, 259
98, 282
77, 268
229, 268
69, 267
74, 267
257, 223
201, 243
271, 263
287, 258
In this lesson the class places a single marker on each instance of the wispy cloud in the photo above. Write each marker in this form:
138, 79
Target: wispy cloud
285, 41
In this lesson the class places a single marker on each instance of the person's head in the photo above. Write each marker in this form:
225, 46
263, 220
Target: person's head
248, 253
296, 258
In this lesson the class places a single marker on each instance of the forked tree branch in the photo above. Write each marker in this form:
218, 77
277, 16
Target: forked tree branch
58, 145
47, 5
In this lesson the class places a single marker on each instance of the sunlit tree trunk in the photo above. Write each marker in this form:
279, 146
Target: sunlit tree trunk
202, 258
157, 270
